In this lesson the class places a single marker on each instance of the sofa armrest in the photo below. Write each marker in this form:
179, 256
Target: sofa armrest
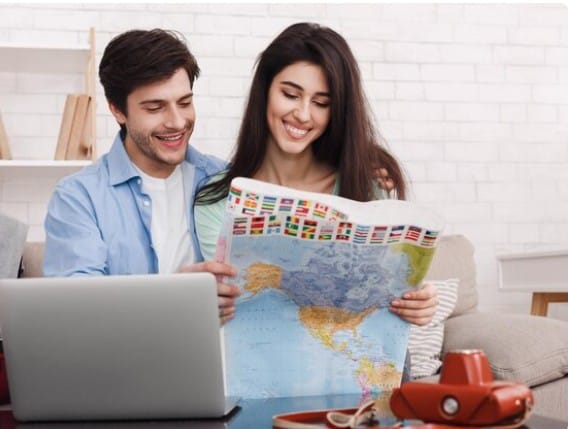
529, 349
32, 259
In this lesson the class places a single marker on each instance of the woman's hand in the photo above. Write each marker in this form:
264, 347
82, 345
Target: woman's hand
417, 306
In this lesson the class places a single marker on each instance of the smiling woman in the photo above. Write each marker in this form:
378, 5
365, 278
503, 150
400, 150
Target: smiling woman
307, 126
307, 123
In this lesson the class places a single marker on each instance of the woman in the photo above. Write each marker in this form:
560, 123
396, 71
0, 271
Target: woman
307, 126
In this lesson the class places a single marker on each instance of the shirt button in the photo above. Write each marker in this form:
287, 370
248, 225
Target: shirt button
146, 203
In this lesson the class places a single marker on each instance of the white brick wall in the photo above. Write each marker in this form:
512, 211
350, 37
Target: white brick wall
473, 99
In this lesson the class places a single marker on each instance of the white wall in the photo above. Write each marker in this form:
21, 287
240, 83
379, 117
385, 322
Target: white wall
473, 99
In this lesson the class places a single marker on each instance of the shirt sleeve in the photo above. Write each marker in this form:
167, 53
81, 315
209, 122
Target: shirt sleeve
73, 242
208, 223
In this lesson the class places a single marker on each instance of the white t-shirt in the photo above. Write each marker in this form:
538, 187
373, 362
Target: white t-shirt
170, 235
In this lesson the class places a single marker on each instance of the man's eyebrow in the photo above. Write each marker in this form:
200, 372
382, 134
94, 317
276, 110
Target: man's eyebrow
298, 87
160, 100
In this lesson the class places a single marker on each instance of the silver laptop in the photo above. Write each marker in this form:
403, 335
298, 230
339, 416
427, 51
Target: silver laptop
113, 347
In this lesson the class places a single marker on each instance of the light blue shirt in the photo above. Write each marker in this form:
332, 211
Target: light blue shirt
99, 220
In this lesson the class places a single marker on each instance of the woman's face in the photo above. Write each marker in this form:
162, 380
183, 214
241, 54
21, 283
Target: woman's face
298, 108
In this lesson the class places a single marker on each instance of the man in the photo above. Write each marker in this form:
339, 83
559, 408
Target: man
131, 212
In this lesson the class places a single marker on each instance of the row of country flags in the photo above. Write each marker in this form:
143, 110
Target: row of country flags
323, 230
253, 204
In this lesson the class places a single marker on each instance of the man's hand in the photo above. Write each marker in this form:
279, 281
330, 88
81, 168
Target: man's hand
226, 292
417, 306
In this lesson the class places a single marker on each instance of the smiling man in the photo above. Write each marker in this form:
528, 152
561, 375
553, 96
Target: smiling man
131, 212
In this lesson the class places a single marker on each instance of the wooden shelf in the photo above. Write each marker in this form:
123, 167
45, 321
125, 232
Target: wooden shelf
52, 58
22, 168
43, 59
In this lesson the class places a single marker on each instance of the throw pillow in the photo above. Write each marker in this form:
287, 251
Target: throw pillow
425, 342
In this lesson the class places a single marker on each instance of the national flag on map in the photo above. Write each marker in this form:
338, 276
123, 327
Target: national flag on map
309, 226
250, 203
291, 231
251, 196
378, 235
337, 215
257, 225
234, 195
240, 225
344, 228
268, 204
361, 234
326, 231
302, 211
396, 233
292, 222
429, 238
286, 205
320, 210
274, 225
249, 211
413, 233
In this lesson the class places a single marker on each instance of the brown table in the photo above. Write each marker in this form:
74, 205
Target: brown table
251, 414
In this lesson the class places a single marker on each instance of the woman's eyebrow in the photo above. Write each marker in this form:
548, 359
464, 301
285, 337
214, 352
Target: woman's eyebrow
300, 88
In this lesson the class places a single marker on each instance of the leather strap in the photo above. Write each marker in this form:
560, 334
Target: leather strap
364, 418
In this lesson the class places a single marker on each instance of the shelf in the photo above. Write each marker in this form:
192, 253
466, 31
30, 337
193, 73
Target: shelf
43, 59
21, 168
537, 271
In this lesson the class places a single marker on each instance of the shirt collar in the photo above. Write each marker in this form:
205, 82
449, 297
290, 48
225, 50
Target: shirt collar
121, 168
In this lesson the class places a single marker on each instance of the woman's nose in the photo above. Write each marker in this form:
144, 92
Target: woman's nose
302, 112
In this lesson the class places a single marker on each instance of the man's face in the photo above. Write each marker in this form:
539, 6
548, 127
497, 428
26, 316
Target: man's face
159, 123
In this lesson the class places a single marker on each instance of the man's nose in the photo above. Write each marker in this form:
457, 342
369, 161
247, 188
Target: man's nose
175, 119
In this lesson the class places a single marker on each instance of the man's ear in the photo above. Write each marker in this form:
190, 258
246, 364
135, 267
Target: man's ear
118, 115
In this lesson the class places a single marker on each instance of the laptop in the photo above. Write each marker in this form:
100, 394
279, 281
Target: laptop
113, 347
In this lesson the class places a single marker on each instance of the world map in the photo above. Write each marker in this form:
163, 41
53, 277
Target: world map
314, 319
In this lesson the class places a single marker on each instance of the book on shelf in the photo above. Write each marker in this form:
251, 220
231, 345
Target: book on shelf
5, 151
66, 124
77, 147
317, 273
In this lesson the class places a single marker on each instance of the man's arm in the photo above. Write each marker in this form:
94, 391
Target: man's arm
73, 242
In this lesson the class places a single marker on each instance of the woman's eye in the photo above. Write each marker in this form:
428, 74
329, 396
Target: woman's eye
321, 103
290, 95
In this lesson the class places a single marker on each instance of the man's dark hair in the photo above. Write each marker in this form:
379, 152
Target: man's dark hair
140, 57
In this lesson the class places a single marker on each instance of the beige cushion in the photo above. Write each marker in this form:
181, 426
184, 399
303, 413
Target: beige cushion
32, 260
529, 349
454, 259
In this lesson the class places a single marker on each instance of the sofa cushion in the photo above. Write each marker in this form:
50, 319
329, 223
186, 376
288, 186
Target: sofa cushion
454, 259
529, 349
425, 342
12, 239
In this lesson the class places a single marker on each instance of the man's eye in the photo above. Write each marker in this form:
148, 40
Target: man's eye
153, 109
185, 104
